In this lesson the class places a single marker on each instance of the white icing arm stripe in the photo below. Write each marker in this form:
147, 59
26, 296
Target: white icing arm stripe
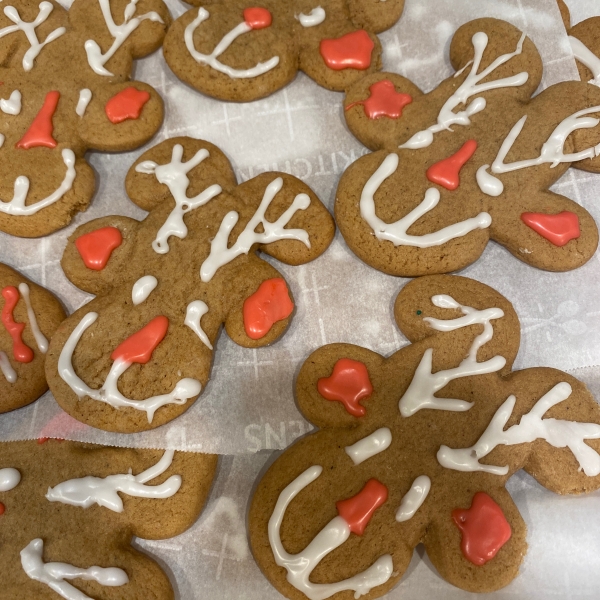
9, 373
369, 446
414, 498
585, 56
558, 433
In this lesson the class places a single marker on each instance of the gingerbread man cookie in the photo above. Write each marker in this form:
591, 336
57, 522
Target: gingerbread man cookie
470, 161
417, 448
66, 89
234, 50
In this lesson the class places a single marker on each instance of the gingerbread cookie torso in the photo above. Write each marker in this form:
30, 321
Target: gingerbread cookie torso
417, 448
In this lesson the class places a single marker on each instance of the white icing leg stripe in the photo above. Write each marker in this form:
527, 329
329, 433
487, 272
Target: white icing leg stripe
315, 17
585, 56
414, 498
85, 95
369, 446
40, 338
9, 373
12, 106
9, 479
195, 311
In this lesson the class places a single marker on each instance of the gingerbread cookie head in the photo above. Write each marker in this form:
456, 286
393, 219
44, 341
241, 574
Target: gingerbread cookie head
469, 162
140, 353
70, 510
30, 315
66, 89
239, 51
417, 448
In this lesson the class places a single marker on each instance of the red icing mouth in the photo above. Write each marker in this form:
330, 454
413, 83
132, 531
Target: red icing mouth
257, 17
447, 172
384, 101
96, 247
21, 352
138, 348
127, 104
40, 130
348, 383
558, 229
358, 510
351, 51
269, 304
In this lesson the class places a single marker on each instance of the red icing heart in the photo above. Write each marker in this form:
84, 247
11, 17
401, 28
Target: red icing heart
446, 172
127, 104
484, 529
358, 510
269, 304
21, 352
351, 51
40, 130
384, 101
349, 383
138, 348
257, 17
96, 247
558, 229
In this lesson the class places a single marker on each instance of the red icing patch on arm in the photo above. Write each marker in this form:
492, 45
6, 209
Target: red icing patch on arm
269, 304
257, 17
384, 101
484, 529
447, 172
558, 229
358, 510
348, 383
21, 352
351, 51
96, 247
40, 130
127, 104
138, 348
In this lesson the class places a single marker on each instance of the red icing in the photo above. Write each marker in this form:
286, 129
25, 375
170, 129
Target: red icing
43, 440
257, 17
558, 229
446, 172
269, 304
351, 51
349, 383
40, 130
358, 510
484, 529
127, 104
2, 509
63, 423
21, 352
96, 247
138, 348
383, 101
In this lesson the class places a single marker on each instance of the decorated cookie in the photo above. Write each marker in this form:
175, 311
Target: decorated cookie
417, 448
30, 315
139, 354
235, 50
69, 512
65, 89
470, 161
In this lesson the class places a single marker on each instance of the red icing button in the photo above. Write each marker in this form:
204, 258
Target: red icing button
351, 51
358, 510
383, 101
2, 509
40, 131
559, 229
96, 247
127, 104
138, 348
446, 172
269, 304
257, 17
484, 529
349, 383
21, 352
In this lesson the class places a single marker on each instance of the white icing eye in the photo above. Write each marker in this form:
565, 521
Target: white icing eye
9, 479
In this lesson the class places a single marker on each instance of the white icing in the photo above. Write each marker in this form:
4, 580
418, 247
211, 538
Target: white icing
315, 17
109, 393
16, 206
120, 33
142, 288
420, 392
87, 491
174, 176
193, 314
12, 106
9, 373
413, 499
334, 534
468, 88
370, 445
9, 479
40, 338
585, 56
28, 28
220, 254
85, 95
212, 60
552, 150
2, 138
558, 433
396, 232
53, 574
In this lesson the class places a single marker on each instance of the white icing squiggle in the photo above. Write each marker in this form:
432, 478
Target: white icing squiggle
109, 393
9, 373
369, 446
142, 288
413, 499
53, 574
585, 56
315, 17
195, 311
334, 534
12, 106
85, 95
40, 338
220, 254
9, 479
558, 433
420, 392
